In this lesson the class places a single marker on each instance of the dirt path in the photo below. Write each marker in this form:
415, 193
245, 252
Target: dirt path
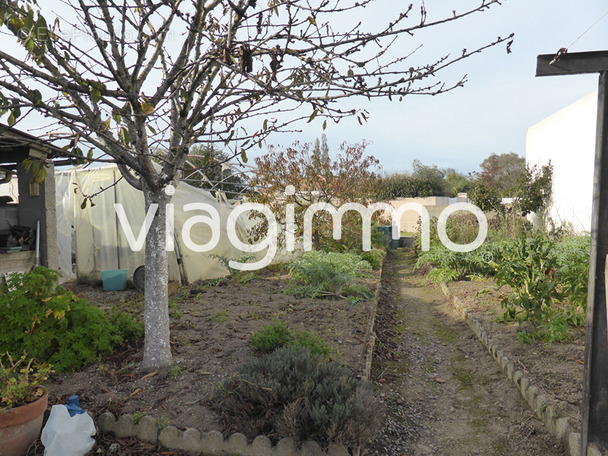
444, 394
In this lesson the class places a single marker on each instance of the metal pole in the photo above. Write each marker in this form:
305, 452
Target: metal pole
595, 395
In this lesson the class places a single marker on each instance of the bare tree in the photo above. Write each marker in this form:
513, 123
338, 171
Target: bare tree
133, 77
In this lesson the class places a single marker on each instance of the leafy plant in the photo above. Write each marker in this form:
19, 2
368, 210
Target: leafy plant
328, 274
313, 342
131, 330
239, 276
528, 268
450, 265
293, 393
21, 381
374, 257
277, 335
52, 325
572, 258
271, 337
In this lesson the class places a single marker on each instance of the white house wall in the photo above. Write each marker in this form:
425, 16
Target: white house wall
567, 139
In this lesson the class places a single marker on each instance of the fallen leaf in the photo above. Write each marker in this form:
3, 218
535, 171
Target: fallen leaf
580, 361
137, 391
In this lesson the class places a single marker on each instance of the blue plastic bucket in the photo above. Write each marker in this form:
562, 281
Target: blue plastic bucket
114, 279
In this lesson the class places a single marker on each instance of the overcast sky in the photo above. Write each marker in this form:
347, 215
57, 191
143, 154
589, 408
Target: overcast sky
501, 99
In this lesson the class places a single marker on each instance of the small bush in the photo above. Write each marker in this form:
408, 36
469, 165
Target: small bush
374, 257
311, 341
51, 324
528, 267
327, 274
271, 337
131, 330
450, 266
293, 393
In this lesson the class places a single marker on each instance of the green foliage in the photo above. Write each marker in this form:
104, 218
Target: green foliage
271, 337
462, 227
52, 325
328, 274
374, 257
313, 342
547, 279
131, 330
533, 189
450, 266
486, 196
572, 258
293, 393
21, 381
528, 267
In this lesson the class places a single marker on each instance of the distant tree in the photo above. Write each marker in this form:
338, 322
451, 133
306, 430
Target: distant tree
457, 182
424, 181
503, 172
350, 177
320, 152
485, 196
210, 168
432, 176
534, 189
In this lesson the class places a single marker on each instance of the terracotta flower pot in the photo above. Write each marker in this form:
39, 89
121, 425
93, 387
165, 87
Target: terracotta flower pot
20, 426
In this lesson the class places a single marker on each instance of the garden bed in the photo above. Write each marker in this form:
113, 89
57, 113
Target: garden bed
556, 369
211, 326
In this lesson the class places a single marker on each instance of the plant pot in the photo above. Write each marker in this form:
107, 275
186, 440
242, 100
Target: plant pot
20, 426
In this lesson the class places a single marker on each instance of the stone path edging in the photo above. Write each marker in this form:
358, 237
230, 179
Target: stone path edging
371, 334
212, 443
559, 428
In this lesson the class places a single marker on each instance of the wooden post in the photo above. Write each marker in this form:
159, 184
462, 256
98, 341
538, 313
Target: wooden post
594, 426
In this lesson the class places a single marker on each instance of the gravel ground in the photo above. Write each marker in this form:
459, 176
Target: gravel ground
444, 394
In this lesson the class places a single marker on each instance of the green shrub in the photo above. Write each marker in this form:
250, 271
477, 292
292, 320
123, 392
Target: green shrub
271, 337
52, 325
293, 393
450, 266
328, 274
131, 330
374, 257
572, 258
462, 227
528, 267
312, 342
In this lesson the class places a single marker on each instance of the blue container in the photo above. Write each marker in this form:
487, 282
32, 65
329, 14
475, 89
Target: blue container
114, 279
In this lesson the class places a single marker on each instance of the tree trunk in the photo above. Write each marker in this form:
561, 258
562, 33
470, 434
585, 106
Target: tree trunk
157, 349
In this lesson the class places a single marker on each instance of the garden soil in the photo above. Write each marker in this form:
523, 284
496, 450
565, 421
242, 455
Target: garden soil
211, 326
444, 393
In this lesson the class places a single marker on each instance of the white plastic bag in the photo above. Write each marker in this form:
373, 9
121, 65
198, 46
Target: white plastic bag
65, 435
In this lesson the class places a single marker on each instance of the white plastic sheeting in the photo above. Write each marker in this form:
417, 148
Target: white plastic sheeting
99, 239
